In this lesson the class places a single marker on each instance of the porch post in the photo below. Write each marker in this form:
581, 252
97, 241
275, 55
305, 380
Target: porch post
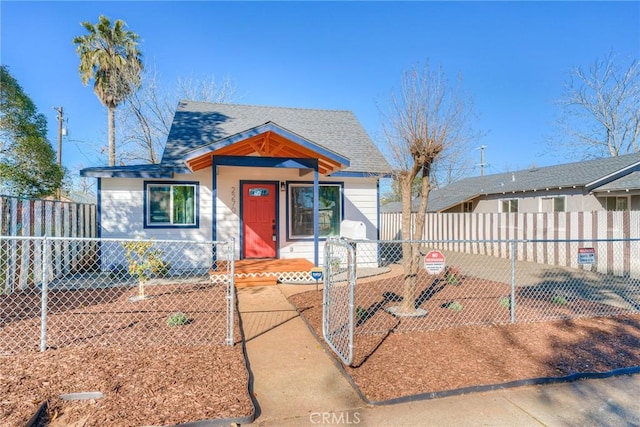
316, 215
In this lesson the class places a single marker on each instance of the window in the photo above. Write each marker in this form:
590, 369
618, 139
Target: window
171, 204
553, 204
467, 207
617, 203
510, 205
301, 210
258, 192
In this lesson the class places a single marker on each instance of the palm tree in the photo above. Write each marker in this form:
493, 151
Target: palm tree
110, 56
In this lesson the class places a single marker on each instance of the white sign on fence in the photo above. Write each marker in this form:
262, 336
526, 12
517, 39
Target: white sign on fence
586, 256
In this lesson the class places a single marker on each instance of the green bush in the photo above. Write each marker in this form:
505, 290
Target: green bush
178, 319
452, 275
361, 313
505, 302
454, 305
559, 299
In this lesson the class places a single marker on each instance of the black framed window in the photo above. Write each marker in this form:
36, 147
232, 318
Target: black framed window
301, 210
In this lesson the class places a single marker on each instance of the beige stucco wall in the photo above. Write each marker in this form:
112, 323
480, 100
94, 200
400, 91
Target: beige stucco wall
575, 201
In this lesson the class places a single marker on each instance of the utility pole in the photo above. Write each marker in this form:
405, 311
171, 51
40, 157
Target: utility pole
482, 147
60, 118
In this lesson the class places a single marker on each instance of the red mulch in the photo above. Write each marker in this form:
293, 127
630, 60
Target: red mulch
402, 357
150, 373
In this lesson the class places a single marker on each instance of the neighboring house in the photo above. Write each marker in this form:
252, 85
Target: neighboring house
611, 183
278, 180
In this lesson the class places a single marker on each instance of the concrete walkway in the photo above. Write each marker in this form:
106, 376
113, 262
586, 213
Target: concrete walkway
296, 383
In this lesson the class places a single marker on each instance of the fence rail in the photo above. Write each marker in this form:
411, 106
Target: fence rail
22, 217
128, 293
444, 287
487, 234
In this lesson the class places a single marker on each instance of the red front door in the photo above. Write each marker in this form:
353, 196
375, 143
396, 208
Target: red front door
259, 220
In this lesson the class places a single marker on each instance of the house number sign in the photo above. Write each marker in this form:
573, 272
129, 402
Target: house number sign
233, 199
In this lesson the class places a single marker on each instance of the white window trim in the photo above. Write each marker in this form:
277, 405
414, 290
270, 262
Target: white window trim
509, 199
559, 196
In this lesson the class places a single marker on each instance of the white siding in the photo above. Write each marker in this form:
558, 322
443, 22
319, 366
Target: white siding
360, 204
122, 207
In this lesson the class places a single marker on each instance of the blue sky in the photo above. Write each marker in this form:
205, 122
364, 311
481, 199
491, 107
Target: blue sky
514, 58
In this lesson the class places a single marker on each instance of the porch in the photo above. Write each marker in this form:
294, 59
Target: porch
267, 272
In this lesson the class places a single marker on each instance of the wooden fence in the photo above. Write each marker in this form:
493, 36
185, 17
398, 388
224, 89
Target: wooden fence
620, 255
21, 259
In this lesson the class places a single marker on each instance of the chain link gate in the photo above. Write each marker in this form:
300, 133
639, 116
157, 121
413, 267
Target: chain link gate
480, 283
338, 297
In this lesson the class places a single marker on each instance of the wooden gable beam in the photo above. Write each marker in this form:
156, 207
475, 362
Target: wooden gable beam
268, 144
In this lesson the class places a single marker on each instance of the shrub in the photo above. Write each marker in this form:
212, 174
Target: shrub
160, 268
178, 319
452, 275
559, 299
505, 302
454, 305
361, 313
143, 262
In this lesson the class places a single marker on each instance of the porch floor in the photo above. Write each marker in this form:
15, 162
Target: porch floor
263, 272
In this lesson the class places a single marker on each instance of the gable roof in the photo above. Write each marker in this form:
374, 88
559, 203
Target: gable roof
267, 140
201, 126
619, 173
590, 174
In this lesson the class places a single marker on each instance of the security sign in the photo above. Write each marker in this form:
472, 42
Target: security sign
434, 262
586, 256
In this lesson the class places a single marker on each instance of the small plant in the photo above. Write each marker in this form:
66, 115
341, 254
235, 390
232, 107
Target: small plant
452, 275
559, 299
178, 319
361, 313
143, 262
454, 305
334, 264
505, 302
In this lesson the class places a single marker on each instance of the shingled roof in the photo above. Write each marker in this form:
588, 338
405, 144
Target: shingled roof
607, 174
590, 175
198, 124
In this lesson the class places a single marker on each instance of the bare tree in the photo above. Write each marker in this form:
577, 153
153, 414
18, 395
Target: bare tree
146, 117
601, 109
428, 121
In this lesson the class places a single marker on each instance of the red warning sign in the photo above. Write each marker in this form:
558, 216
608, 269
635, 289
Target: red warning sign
434, 262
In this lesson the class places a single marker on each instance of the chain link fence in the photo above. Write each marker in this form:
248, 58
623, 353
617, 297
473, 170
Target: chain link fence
59, 292
444, 288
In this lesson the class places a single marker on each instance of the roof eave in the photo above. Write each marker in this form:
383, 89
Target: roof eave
119, 172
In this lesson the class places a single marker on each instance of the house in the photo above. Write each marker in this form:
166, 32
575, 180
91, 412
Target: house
611, 183
277, 180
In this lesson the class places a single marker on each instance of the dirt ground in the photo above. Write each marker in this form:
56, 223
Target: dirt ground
162, 386
178, 384
402, 357
148, 372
